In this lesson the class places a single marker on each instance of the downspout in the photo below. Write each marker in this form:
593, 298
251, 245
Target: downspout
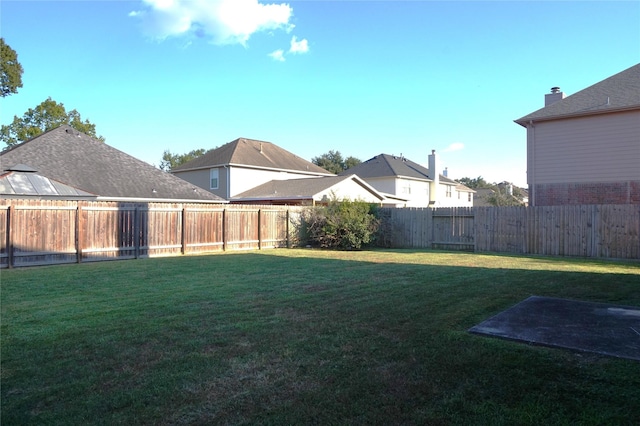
228, 185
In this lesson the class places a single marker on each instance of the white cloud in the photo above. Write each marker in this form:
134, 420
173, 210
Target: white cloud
224, 21
456, 146
277, 55
301, 46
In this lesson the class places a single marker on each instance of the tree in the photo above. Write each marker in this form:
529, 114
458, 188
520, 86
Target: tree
10, 70
46, 116
171, 161
502, 198
333, 162
478, 182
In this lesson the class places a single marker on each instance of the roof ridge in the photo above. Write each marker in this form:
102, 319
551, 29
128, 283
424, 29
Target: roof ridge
610, 94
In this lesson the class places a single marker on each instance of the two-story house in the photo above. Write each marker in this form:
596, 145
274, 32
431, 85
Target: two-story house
585, 148
243, 164
406, 183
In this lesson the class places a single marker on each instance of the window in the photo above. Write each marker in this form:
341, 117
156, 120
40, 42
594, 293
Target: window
406, 189
213, 177
448, 191
469, 199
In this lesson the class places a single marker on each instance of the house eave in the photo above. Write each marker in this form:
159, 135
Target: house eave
160, 200
524, 121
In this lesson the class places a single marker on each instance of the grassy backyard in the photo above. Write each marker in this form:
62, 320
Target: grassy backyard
304, 337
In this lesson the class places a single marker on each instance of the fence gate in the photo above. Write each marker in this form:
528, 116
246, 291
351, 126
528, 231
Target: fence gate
453, 228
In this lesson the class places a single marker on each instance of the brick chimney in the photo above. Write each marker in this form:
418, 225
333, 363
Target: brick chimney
435, 176
553, 97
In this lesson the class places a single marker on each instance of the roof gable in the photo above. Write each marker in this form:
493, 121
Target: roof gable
252, 153
385, 165
80, 161
305, 188
616, 93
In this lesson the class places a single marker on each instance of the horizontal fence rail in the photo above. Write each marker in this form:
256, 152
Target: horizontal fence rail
599, 231
45, 232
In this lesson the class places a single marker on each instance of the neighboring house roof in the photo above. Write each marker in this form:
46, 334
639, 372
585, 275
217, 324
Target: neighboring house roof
80, 161
301, 189
254, 153
482, 196
22, 180
385, 165
619, 92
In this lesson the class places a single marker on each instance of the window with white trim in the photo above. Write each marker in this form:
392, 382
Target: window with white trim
213, 178
448, 194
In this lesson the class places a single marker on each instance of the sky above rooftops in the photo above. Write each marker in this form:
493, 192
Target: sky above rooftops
360, 77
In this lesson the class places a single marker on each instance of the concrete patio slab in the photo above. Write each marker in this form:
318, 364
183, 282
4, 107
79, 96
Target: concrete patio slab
612, 330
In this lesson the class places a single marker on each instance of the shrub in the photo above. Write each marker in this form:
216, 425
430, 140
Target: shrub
343, 224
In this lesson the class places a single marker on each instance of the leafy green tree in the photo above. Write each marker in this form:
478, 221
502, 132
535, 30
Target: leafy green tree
10, 70
501, 198
478, 182
350, 162
333, 162
46, 116
171, 161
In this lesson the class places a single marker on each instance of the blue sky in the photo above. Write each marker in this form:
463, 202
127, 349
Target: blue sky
360, 77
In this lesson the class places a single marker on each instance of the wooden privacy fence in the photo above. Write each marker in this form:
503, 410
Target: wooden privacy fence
602, 231
49, 232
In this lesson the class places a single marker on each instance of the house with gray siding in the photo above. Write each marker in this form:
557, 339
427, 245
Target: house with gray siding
585, 148
243, 164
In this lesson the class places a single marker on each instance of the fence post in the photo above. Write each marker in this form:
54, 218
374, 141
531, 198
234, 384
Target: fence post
79, 233
287, 228
224, 229
9, 239
183, 239
433, 231
136, 231
259, 229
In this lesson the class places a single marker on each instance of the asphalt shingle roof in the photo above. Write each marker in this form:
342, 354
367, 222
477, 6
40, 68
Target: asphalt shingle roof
385, 165
293, 188
80, 161
618, 92
255, 153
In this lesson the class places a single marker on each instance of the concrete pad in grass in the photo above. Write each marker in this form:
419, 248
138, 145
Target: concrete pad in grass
612, 330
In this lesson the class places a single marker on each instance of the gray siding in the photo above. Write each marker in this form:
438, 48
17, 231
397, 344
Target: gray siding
598, 148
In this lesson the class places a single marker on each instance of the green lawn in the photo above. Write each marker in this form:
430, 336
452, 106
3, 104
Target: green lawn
304, 337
